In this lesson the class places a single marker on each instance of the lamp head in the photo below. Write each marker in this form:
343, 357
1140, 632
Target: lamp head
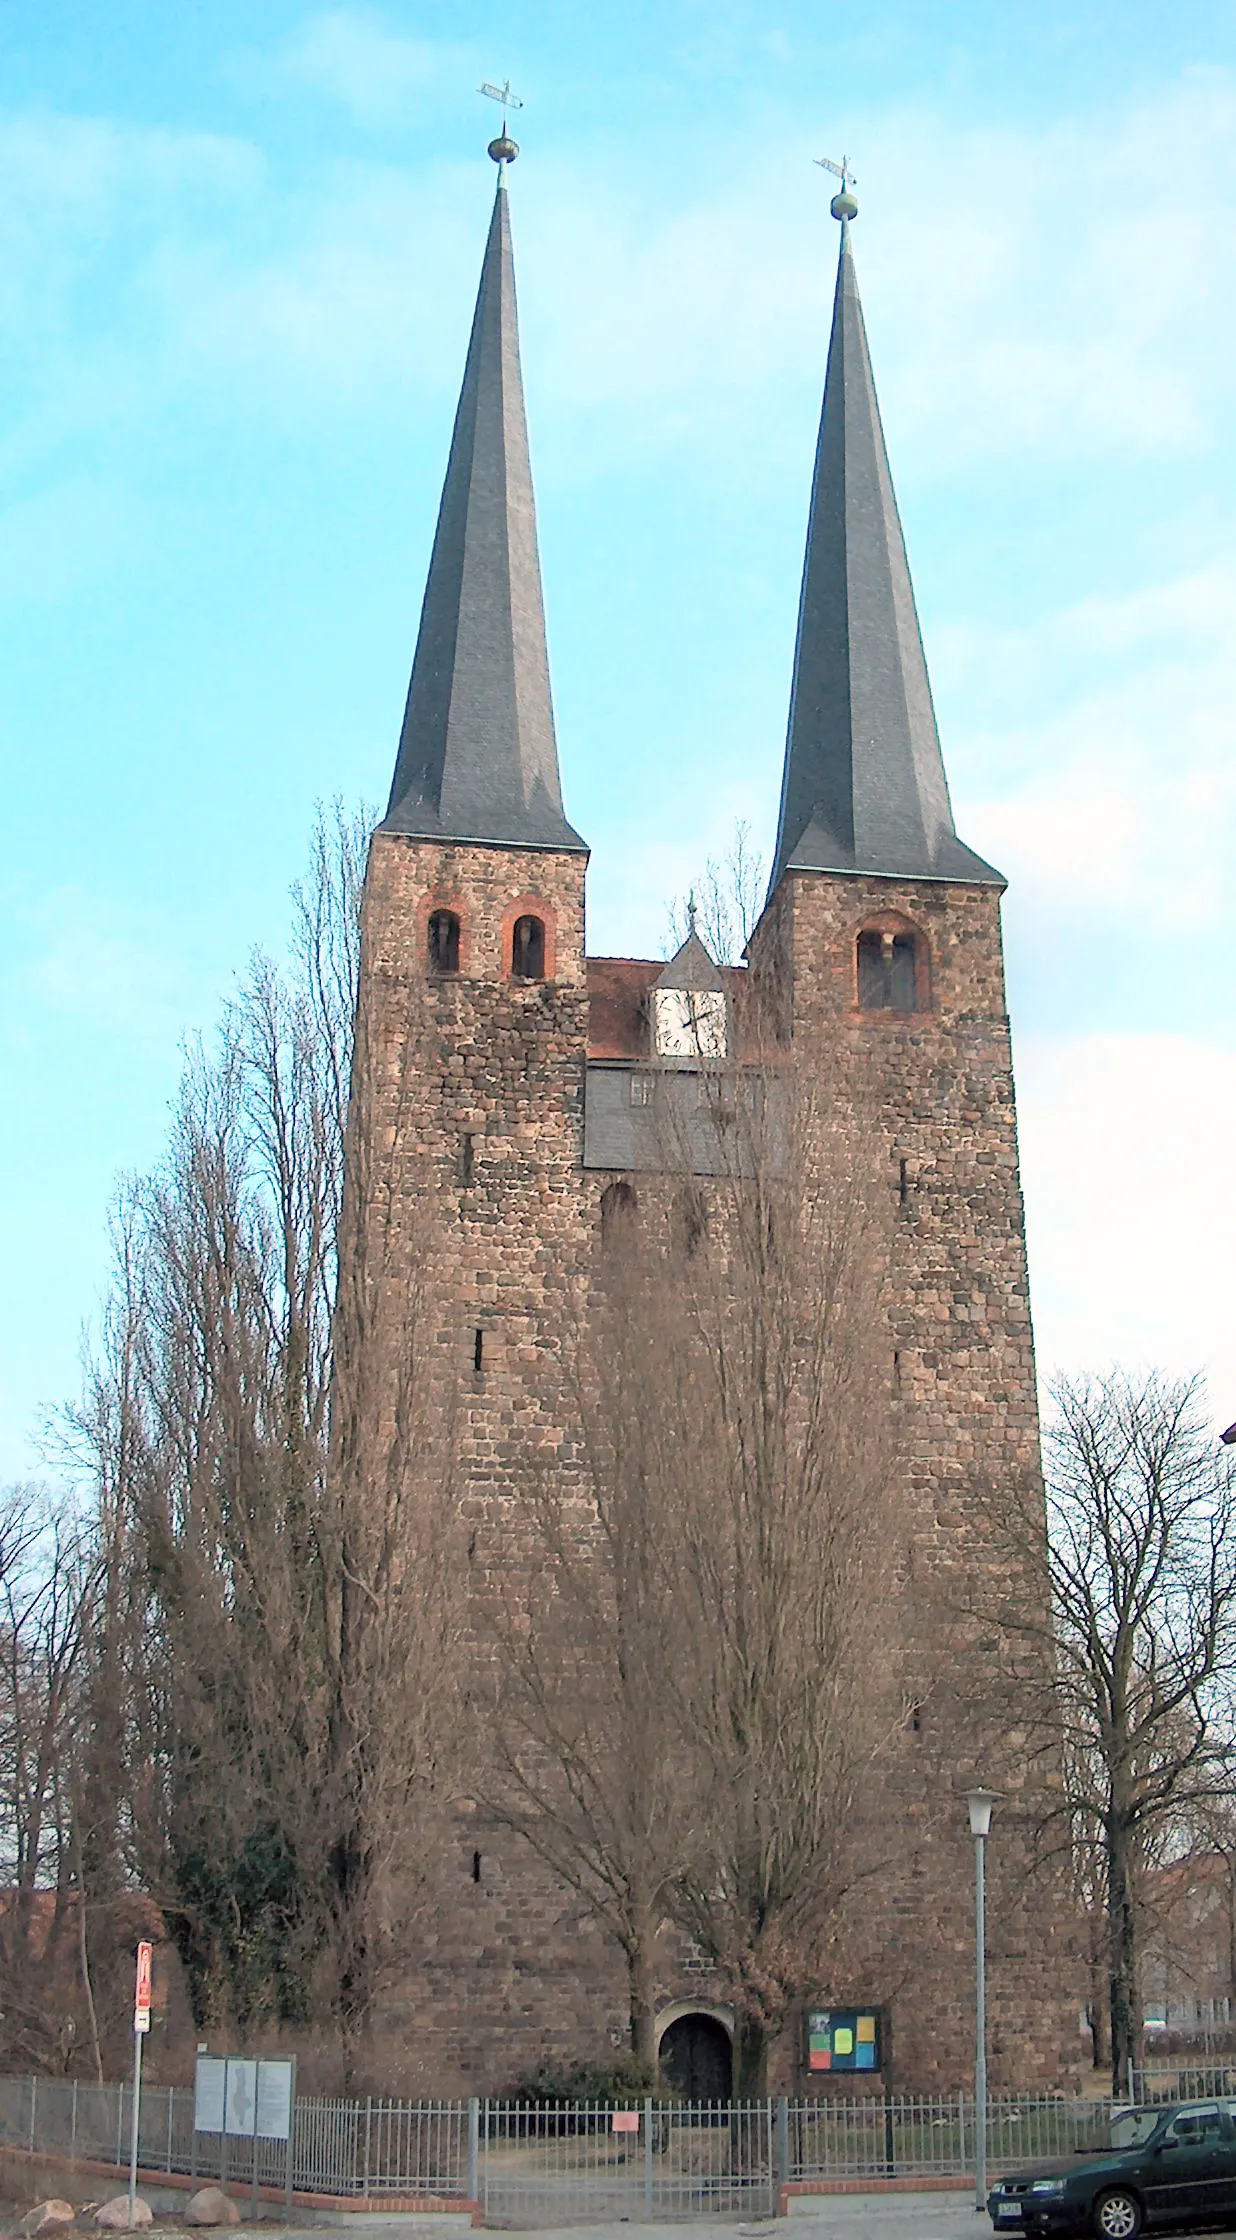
980, 1802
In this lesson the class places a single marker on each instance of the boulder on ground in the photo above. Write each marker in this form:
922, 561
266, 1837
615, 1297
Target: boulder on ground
210, 2205
114, 2214
46, 2218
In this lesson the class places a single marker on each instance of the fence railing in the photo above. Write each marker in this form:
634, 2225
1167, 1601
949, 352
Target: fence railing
538, 2166
1184, 2076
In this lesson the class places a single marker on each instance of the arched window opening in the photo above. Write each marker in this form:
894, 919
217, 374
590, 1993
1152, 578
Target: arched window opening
528, 950
887, 972
618, 1209
443, 941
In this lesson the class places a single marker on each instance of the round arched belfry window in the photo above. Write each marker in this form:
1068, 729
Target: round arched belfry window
528, 949
887, 972
443, 941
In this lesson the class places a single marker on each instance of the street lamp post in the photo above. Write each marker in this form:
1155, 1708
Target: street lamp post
980, 1802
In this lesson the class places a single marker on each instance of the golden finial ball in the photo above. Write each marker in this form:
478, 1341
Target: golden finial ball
843, 205
503, 149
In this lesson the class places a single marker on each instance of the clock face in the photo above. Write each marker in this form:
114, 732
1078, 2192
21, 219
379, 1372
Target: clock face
689, 1023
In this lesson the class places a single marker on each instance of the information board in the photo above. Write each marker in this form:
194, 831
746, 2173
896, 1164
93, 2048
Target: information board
843, 2038
244, 2099
241, 2099
209, 2094
274, 2100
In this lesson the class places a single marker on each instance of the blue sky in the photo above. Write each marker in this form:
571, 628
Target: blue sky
238, 250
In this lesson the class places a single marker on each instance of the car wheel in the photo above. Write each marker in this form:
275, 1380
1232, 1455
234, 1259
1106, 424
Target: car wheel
1118, 2216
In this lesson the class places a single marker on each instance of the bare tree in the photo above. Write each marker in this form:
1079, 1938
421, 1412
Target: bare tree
267, 1671
725, 903
392, 1546
587, 1759
693, 1698
1211, 1860
1142, 1559
789, 1536
47, 1581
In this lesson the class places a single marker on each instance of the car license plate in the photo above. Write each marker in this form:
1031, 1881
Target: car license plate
1006, 2214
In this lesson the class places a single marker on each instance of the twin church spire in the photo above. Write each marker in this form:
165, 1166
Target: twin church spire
864, 787
478, 759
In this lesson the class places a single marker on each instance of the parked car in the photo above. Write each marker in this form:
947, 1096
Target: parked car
1159, 2167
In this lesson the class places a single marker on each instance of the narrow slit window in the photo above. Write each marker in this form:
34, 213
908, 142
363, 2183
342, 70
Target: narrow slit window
478, 1350
476, 1866
528, 949
443, 941
693, 1219
467, 1160
618, 1209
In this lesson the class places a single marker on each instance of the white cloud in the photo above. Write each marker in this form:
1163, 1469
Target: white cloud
1117, 798
1047, 307
349, 55
1126, 1161
1044, 304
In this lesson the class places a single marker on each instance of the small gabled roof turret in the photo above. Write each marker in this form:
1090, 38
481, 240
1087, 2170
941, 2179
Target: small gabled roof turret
478, 759
864, 786
691, 969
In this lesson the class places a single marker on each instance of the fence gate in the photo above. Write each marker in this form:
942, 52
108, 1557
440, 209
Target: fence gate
600, 2164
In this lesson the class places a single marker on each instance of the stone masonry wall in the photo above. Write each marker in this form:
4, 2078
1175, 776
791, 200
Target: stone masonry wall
937, 1085
477, 1102
476, 1108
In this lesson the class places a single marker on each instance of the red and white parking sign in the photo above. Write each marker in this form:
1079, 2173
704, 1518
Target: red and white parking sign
141, 1995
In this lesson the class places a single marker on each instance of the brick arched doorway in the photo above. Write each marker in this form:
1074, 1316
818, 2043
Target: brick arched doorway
697, 2058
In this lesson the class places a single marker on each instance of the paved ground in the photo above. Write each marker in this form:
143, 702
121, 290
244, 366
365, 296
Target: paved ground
841, 2216
887, 2216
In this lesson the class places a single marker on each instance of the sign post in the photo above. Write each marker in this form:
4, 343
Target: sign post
141, 2024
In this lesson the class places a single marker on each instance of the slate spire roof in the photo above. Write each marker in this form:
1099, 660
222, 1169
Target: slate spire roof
864, 786
478, 759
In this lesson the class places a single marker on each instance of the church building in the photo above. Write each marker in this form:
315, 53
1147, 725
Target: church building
514, 1086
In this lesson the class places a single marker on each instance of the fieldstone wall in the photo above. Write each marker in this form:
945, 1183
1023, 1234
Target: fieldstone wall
473, 1108
936, 1085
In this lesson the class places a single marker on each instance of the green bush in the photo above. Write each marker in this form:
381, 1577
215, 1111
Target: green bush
621, 2078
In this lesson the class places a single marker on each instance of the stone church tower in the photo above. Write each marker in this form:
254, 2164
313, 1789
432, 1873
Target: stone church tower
525, 1066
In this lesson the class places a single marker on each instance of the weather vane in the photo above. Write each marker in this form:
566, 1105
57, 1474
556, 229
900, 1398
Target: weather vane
503, 150
508, 99
842, 205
